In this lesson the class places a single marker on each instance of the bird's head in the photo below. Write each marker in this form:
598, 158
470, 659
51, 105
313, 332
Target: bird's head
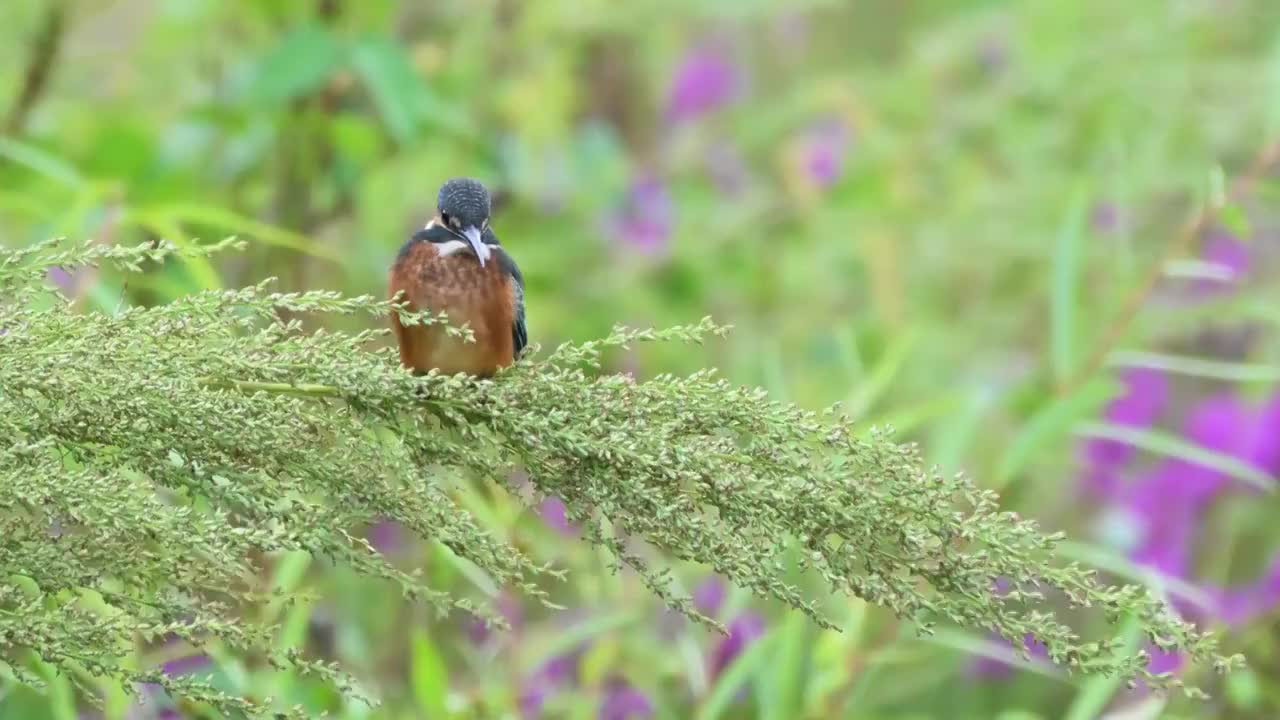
463, 204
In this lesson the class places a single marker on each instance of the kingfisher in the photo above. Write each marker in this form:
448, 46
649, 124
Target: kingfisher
456, 265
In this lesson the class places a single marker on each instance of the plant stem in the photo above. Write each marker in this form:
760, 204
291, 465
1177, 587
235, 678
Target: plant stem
1266, 158
299, 389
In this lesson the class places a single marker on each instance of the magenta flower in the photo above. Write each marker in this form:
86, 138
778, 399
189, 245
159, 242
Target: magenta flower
1226, 251
1165, 507
1265, 453
647, 218
553, 513
554, 676
823, 148
68, 282
1164, 662
387, 536
1143, 401
708, 597
624, 702
993, 55
1106, 218
1168, 504
186, 664
743, 631
705, 81
507, 605
1239, 606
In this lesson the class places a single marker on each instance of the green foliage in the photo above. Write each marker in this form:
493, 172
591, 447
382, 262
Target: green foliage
163, 455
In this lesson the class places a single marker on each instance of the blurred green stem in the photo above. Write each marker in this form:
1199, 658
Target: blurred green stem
44, 52
300, 389
1266, 158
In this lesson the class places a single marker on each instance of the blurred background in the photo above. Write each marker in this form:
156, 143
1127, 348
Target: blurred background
967, 219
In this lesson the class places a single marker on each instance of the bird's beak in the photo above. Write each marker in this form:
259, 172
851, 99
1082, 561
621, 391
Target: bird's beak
477, 243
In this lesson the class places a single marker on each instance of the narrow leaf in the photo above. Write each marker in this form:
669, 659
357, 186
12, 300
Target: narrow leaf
1053, 420
735, 676
1162, 443
396, 89
1198, 367
1097, 691
302, 62
430, 677
1067, 267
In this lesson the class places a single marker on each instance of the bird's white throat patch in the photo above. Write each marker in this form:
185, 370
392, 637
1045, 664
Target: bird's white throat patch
455, 246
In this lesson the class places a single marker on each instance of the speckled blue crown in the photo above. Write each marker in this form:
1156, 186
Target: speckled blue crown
465, 199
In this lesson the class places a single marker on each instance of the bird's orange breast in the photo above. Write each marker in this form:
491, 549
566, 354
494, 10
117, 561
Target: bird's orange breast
471, 295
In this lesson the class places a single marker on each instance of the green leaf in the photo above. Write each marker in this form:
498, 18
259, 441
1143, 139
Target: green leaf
1244, 689
62, 703
1169, 445
301, 63
1217, 187
1067, 267
881, 378
1097, 691
41, 162
1233, 218
1121, 566
975, 645
204, 272
1193, 269
580, 633
398, 92
735, 676
290, 569
226, 220
782, 687
1053, 420
430, 677
1198, 367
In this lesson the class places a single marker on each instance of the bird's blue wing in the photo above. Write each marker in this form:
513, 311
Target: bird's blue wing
519, 331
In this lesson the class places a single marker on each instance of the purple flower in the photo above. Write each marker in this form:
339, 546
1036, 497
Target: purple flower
1106, 218
552, 511
1164, 520
1241, 605
1225, 425
68, 282
386, 536
1164, 662
705, 81
822, 151
554, 675
1168, 504
708, 597
1225, 250
993, 54
186, 664
1265, 453
624, 702
647, 218
743, 631
508, 606
1165, 508
1145, 397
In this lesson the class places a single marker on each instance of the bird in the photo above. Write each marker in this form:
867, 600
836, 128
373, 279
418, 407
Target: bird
455, 265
